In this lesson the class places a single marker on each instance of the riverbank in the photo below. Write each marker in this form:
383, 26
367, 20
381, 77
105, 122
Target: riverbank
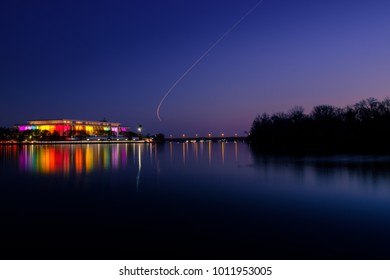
62, 142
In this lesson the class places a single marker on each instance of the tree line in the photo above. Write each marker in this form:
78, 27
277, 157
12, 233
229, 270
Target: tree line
360, 128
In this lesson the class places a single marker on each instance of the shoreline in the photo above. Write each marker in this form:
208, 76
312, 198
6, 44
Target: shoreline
73, 142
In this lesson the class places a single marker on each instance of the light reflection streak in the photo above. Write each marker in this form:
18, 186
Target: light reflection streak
139, 167
79, 161
123, 156
88, 159
115, 156
170, 151
201, 149
223, 152
196, 151
106, 158
151, 153
66, 162
236, 151
134, 151
184, 152
187, 148
209, 151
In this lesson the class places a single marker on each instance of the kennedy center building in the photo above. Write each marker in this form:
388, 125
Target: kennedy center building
66, 127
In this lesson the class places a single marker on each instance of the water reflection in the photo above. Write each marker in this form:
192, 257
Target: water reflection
78, 159
175, 192
82, 159
223, 152
209, 151
63, 159
139, 167
341, 171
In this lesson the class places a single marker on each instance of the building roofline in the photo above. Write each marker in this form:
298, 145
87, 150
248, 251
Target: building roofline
74, 120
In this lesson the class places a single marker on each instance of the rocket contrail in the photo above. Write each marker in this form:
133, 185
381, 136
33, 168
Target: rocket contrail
203, 55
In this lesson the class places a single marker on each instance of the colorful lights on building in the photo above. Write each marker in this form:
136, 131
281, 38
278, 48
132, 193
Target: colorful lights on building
65, 127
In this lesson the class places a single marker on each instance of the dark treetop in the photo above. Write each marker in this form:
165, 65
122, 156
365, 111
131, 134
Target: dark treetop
361, 128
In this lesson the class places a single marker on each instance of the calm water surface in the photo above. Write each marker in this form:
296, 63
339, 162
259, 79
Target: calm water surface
190, 200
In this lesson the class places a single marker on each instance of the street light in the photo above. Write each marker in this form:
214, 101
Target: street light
139, 131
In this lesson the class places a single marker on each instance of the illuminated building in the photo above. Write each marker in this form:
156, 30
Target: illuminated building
65, 127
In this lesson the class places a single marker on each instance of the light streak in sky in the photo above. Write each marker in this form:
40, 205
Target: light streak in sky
203, 56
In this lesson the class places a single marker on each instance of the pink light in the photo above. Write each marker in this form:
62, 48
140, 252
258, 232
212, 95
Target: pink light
24, 127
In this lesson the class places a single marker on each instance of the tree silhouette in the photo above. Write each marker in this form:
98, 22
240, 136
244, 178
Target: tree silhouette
361, 128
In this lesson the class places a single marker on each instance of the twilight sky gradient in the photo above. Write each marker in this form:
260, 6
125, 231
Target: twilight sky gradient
117, 59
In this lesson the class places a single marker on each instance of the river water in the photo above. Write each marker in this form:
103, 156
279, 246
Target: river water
190, 201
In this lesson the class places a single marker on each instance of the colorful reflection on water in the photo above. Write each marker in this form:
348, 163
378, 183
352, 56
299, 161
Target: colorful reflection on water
77, 158
64, 159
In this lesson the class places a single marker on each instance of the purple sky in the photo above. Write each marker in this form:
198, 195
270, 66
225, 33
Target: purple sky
116, 59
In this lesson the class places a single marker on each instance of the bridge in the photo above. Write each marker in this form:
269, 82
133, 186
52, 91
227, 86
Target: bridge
206, 139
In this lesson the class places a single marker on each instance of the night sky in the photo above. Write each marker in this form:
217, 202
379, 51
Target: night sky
116, 59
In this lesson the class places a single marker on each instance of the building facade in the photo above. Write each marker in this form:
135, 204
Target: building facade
66, 127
